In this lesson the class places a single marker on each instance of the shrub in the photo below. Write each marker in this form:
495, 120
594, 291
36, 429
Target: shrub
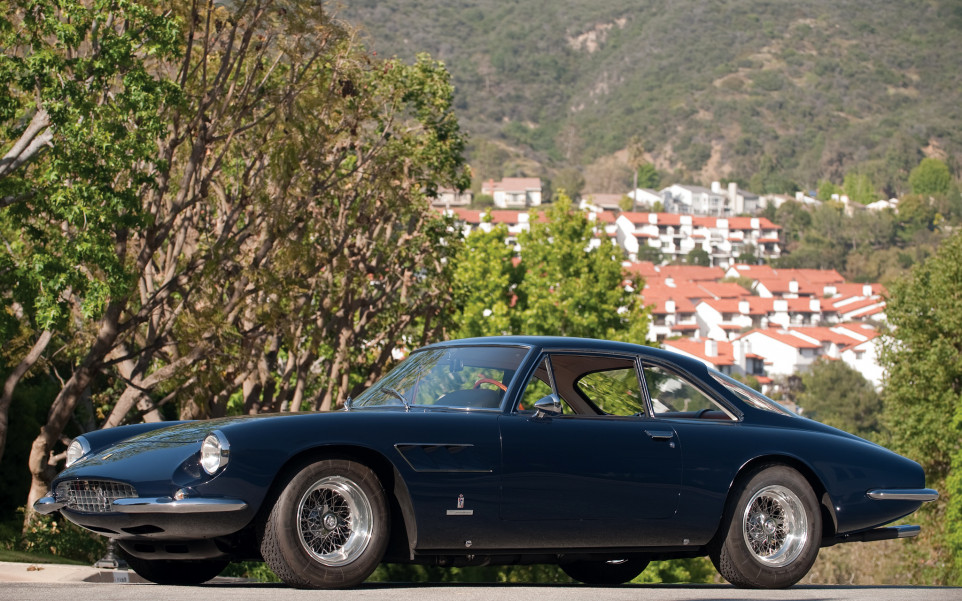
54, 535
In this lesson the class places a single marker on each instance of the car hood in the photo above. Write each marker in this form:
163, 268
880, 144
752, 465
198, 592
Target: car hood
184, 433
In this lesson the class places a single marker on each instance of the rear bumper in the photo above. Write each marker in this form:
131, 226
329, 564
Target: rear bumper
875, 534
903, 494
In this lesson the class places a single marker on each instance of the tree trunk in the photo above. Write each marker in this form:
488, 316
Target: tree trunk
14, 378
39, 461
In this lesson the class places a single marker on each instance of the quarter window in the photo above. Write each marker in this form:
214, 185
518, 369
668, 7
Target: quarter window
673, 396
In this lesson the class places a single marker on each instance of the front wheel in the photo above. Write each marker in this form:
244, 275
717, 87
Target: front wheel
177, 572
771, 532
605, 573
329, 527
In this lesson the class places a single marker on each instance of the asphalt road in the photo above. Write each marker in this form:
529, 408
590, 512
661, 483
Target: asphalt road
402, 592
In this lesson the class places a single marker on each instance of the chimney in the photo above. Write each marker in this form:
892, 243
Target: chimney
711, 348
739, 350
867, 290
793, 286
669, 306
716, 187
744, 307
815, 305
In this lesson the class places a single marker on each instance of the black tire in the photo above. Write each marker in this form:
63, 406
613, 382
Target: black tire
771, 531
181, 572
605, 573
341, 534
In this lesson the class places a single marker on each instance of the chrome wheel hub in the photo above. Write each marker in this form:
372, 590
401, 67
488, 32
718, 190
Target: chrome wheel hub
334, 521
775, 526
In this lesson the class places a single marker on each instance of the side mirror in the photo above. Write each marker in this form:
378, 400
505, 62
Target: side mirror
549, 405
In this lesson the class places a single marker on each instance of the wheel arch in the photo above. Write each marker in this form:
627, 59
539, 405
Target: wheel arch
829, 518
403, 535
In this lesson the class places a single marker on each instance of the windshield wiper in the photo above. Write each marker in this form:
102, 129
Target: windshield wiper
389, 390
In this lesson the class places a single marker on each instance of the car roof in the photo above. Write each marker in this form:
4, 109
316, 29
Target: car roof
565, 343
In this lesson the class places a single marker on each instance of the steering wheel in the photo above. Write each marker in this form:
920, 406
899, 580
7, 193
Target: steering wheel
490, 381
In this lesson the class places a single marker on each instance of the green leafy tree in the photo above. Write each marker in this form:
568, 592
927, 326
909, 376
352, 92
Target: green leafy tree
571, 181
485, 278
859, 188
242, 216
794, 218
698, 256
835, 394
563, 286
930, 178
80, 113
648, 176
749, 255
646, 252
568, 287
827, 189
923, 388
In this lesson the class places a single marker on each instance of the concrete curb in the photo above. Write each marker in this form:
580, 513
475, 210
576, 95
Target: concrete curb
49, 572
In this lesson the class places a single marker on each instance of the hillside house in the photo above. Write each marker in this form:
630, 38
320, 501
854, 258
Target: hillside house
677, 235
451, 197
514, 192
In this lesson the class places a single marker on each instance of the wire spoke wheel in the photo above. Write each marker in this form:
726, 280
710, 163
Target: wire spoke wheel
775, 525
772, 529
329, 527
334, 519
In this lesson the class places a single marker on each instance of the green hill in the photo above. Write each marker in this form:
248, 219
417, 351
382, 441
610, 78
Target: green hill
809, 89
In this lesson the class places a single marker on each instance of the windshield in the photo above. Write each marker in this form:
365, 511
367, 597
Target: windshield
749, 395
467, 377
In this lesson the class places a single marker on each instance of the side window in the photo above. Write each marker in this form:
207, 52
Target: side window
614, 391
673, 396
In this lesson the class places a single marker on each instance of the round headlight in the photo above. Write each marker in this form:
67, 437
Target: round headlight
77, 449
214, 452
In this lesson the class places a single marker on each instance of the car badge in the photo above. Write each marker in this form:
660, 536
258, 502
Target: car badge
460, 510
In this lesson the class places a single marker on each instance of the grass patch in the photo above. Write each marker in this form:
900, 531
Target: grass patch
26, 557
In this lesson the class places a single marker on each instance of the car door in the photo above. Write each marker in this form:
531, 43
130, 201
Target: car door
601, 473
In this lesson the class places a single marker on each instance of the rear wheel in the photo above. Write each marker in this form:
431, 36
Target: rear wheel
329, 527
177, 572
605, 573
772, 531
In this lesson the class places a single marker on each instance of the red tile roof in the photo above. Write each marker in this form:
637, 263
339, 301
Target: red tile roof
692, 273
785, 337
696, 348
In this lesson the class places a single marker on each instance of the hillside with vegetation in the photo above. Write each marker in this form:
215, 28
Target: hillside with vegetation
789, 94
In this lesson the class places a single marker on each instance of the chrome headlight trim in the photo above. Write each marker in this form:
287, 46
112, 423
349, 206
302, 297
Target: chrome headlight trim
77, 450
214, 452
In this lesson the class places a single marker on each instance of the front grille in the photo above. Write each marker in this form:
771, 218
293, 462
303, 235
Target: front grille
92, 496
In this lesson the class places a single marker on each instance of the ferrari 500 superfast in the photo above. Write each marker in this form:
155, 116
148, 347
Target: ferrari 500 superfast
596, 456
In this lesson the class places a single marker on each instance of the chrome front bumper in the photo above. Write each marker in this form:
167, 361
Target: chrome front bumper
166, 505
903, 494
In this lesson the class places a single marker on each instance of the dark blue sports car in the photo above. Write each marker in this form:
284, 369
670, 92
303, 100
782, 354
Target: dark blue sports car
596, 456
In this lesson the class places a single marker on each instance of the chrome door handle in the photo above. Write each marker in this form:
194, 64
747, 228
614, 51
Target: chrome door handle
660, 434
